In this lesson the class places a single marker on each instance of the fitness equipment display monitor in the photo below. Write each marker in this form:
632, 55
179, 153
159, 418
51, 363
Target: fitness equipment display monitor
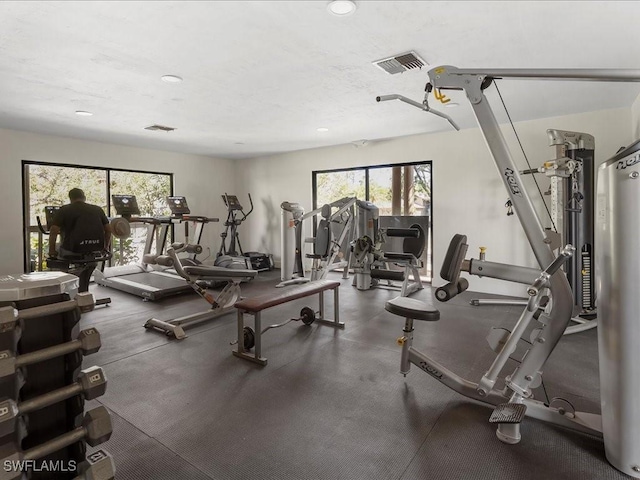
49, 214
231, 201
178, 206
125, 205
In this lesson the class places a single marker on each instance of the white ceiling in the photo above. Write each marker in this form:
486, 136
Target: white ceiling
269, 73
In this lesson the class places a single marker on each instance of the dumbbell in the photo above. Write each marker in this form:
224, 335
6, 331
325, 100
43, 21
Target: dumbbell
9, 316
91, 384
88, 342
96, 429
8, 319
98, 466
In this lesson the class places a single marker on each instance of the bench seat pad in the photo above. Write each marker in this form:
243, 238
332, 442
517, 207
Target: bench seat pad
262, 302
218, 272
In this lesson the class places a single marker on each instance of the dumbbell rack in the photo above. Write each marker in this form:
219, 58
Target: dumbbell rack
43, 427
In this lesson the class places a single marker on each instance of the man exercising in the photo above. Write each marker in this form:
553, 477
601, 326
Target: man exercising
85, 231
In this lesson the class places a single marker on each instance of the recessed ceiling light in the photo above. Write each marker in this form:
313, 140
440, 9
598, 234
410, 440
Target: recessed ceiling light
451, 104
171, 78
82, 113
342, 7
239, 143
323, 129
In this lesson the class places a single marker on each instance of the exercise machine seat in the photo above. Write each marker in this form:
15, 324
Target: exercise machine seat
413, 308
452, 264
322, 241
217, 272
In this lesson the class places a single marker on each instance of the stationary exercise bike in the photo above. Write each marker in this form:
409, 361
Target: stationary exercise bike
81, 265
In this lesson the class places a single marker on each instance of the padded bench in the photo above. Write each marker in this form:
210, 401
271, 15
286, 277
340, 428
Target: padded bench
218, 273
255, 305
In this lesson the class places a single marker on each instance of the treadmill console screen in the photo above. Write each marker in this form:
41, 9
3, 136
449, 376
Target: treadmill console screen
178, 206
232, 202
125, 205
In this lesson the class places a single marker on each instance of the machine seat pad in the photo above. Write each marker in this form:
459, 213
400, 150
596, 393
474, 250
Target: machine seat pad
399, 256
218, 272
412, 308
262, 302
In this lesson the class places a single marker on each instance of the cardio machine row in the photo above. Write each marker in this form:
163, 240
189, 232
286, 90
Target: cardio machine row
154, 278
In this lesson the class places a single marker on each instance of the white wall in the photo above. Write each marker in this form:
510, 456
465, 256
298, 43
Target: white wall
199, 178
468, 194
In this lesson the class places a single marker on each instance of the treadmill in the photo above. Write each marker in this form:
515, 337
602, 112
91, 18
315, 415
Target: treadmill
138, 279
181, 213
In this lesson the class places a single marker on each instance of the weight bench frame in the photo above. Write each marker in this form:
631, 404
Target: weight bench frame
255, 306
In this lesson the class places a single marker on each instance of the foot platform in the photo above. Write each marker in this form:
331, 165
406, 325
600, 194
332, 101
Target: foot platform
508, 413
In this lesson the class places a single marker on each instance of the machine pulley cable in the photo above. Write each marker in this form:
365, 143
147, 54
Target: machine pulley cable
525, 157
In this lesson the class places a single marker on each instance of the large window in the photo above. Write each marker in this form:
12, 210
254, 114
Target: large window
402, 193
332, 186
49, 184
150, 190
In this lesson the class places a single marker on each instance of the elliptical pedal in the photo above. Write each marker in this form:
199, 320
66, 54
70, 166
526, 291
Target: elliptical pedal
508, 413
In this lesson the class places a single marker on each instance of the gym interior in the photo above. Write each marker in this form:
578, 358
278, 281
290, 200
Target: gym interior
348, 240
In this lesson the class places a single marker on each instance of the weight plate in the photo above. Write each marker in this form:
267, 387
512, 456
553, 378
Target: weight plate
307, 315
249, 338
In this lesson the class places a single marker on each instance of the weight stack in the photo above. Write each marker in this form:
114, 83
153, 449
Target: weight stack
42, 402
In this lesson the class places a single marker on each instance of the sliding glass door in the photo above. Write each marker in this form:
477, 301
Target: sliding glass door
49, 184
402, 193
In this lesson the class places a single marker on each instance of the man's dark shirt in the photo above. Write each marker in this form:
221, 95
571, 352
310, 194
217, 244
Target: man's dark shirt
82, 227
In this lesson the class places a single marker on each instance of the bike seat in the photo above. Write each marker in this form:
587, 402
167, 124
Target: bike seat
412, 308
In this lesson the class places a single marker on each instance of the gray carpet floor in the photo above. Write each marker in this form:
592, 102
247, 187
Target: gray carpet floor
331, 403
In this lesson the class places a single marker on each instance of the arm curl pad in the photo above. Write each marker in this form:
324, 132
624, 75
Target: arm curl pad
403, 232
450, 290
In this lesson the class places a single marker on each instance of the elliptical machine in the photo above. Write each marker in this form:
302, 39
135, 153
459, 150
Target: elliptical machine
230, 257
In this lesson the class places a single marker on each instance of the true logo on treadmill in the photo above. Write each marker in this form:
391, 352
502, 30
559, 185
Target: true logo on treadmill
513, 183
622, 164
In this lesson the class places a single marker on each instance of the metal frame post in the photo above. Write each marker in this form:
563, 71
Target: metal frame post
473, 83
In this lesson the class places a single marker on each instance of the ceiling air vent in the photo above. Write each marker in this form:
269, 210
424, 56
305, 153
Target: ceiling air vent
400, 63
159, 127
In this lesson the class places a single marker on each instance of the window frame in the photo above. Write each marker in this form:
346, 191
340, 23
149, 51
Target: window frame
26, 232
366, 168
